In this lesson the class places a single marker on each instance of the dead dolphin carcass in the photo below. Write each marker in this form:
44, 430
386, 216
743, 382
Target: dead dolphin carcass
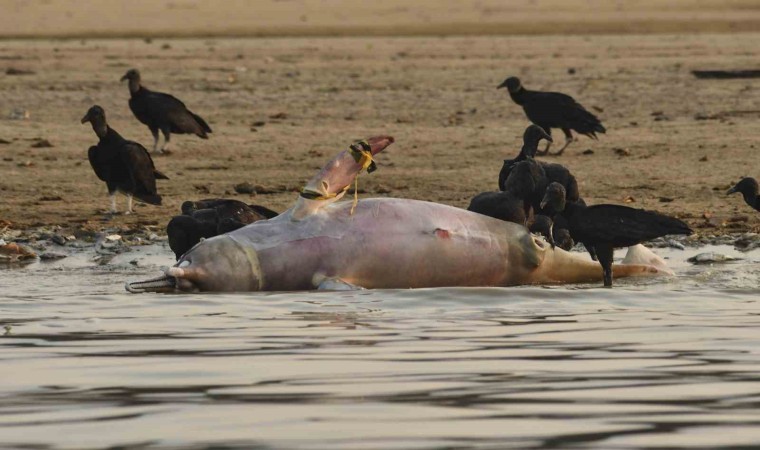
376, 243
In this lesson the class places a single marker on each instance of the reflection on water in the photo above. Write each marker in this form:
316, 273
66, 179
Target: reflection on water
666, 364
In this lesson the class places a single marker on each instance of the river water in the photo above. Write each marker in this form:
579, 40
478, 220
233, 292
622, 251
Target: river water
658, 363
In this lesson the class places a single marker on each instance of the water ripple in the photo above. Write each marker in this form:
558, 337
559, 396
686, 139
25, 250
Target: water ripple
665, 364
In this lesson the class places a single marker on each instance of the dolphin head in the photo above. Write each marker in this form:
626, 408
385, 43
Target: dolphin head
218, 264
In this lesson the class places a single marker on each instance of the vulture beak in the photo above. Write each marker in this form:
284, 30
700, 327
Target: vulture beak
503, 84
124, 77
545, 200
732, 191
86, 118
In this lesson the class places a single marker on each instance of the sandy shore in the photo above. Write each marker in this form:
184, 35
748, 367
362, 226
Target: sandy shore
280, 108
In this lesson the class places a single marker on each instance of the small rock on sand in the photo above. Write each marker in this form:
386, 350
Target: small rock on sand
19, 114
15, 71
42, 143
711, 258
245, 188
51, 256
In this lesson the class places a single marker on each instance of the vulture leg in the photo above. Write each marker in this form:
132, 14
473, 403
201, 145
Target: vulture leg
591, 251
568, 140
605, 252
129, 205
167, 136
154, 132
549, 236
112, 196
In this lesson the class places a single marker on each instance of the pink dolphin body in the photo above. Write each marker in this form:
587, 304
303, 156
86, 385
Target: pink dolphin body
385, 243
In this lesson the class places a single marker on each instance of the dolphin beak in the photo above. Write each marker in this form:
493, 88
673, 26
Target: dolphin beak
732, 191
379, 143
163, 283
86, 118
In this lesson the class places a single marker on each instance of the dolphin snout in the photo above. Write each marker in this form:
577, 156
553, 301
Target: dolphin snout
163, 283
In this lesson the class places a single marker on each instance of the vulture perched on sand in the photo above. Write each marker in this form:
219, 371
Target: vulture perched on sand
124, 165
554, 110
162, 112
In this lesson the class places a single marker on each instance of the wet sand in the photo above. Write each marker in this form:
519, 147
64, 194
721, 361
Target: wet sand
281, 107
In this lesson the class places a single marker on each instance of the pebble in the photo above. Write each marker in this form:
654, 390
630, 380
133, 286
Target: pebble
42, 143
19, 114
15, 71
58, 239
674, 244
51, 256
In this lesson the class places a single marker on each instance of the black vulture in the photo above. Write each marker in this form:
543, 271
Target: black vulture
553, 172
531, 137
547, 223
749, 190
603, 228
186, 231
543, 225
230, 208
554, 233
162, 112
554, 110
499, 205
208, 218
527, 181
124, 165
562, 238
554, 200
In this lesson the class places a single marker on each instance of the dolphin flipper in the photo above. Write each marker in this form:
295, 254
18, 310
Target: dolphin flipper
638, 254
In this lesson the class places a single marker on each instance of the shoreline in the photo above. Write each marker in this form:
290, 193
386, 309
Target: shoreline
56, 243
